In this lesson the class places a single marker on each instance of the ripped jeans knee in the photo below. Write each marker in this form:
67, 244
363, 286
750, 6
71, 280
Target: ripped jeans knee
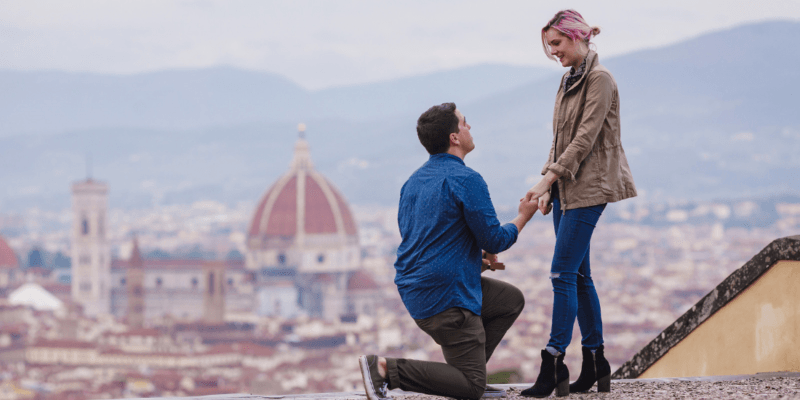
567, 278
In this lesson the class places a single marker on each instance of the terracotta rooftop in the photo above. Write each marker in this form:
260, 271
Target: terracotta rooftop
8, 259
162, 264
136, 332
65, 344
361, 280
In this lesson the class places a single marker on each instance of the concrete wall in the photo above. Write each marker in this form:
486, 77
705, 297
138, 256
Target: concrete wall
757, 331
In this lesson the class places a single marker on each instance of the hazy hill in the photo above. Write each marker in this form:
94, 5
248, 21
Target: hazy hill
57, 102
714, 116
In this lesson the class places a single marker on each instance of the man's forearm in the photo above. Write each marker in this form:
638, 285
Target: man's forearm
520, 221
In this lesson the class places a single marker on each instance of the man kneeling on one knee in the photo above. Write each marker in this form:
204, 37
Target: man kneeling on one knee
446, 219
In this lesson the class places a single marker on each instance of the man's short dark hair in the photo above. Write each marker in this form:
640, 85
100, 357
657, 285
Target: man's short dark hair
435, 126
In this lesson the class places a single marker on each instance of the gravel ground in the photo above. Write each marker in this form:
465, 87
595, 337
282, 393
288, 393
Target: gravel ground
778, 385
771, 388
766, 386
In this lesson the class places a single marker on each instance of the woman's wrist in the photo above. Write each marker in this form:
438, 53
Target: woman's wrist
550, 177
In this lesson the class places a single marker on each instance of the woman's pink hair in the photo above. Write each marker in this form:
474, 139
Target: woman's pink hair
573, 26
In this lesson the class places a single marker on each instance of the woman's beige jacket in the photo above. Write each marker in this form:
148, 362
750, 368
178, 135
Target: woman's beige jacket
587, 152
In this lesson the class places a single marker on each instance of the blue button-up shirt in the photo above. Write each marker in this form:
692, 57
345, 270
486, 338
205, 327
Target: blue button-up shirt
446, 217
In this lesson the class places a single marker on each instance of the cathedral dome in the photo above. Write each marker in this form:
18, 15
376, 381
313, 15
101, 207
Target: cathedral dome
8, 260
301, 210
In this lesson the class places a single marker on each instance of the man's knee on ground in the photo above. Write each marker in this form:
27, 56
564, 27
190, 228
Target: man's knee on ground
476, 391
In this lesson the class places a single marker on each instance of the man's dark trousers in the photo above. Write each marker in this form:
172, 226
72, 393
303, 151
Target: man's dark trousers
467, 341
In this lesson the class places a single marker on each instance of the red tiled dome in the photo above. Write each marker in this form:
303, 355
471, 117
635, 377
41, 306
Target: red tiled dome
8, 260
304, 200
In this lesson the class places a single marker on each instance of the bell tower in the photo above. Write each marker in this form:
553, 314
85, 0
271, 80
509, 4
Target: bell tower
214, 295
91, 256
134, 276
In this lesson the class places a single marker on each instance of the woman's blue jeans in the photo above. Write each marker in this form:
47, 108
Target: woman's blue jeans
573, 290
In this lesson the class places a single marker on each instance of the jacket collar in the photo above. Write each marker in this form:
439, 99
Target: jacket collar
591, 61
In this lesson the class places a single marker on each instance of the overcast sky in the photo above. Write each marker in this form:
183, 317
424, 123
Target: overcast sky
327, 43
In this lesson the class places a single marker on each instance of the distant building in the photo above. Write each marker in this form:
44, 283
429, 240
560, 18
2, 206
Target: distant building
134, 280
302, 244
179, 288
35, 296
214, 293
748, 324
91, 254
303, 258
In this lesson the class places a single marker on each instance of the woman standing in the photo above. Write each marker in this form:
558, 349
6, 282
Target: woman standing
586, 169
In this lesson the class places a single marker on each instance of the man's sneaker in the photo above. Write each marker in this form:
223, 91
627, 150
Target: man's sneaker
493, 392
375, 386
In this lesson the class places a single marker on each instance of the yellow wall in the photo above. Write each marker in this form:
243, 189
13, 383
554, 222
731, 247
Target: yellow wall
757, 331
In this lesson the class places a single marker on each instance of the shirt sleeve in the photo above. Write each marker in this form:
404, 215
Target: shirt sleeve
481, 217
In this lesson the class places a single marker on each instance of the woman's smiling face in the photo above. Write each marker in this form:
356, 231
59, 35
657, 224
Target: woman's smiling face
563, 48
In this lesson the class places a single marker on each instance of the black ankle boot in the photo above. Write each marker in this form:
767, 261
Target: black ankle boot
595, 368
553, 375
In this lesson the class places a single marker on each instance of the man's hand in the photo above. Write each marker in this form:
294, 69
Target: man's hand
490, 262
527, 208
525, 213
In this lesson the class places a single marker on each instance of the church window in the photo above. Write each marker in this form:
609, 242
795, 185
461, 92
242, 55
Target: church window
230, 281
211, 283
321, 258
85, 226
194, 283
281, 259
159, 282
122, 282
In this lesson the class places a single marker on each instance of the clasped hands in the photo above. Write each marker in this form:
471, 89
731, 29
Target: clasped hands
540, 193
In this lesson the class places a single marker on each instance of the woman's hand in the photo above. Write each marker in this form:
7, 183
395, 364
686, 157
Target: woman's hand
544, 204
538, 191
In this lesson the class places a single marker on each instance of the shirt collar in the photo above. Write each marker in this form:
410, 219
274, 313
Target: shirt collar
445, 157
581, 68
575, 75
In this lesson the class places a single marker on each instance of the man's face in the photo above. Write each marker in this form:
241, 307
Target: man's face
464, 136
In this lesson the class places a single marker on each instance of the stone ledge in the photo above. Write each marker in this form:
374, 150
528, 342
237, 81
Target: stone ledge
783, 249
